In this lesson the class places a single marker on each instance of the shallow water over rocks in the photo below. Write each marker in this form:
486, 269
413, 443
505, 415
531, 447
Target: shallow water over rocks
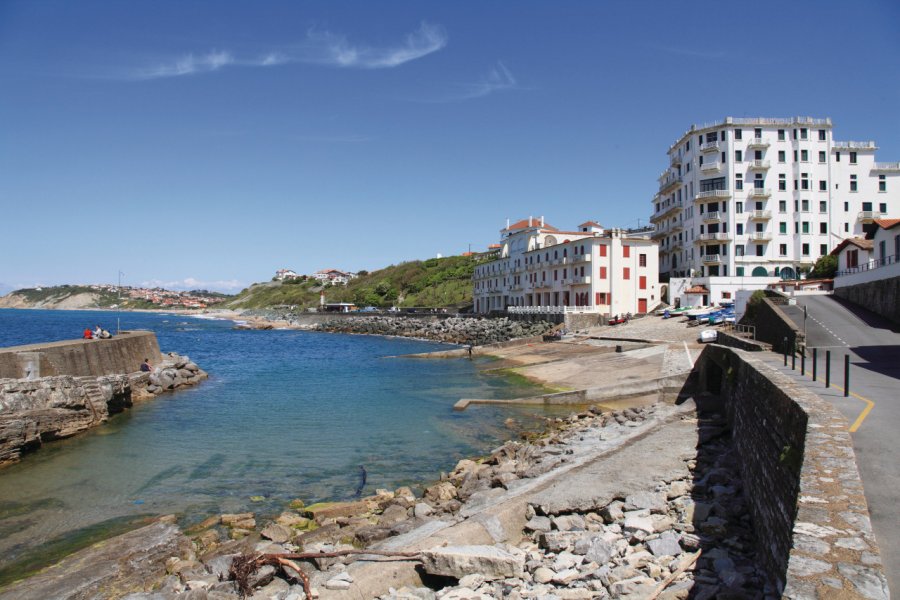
285, 414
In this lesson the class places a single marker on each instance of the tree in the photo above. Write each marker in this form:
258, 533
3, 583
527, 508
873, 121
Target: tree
825, 267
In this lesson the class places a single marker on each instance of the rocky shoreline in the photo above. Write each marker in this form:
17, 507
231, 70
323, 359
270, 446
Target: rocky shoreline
36, 411
454, 330
683, 532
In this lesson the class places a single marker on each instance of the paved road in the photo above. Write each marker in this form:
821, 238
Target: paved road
873, 345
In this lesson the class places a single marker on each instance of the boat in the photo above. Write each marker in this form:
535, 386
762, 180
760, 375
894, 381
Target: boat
699, 312
708, 335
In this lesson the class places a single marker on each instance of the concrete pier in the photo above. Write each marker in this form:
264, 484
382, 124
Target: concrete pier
123, 353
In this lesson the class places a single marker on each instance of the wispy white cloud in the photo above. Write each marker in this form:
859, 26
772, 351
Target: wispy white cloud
320, 47
497, 79
327, 48
191, 283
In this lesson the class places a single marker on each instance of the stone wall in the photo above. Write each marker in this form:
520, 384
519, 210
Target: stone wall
732, 340
775, 328
881, 297
800, 478
80, 358
452, 330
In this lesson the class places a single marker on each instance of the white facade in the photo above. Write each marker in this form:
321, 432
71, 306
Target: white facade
540, 269
765, 197
883, 258
282, 274
333, 276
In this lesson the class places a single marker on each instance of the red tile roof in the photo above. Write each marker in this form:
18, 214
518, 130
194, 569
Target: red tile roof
887, 223
697, 289
523, 224
862, 243
591, 224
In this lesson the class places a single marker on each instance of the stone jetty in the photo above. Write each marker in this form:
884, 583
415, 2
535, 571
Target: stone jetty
454, 330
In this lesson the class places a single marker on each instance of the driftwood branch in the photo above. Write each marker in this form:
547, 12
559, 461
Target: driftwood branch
684, 566
246, 565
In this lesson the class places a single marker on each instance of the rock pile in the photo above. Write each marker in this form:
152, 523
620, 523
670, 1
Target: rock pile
173, 372
687, 535
454, 329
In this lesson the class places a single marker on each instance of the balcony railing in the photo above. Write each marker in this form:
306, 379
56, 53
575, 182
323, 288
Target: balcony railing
869, 145
675, 160
709, 147
581, 280
756, 192
761, 236
580, 258
711, 166
760, 215
875, 263
670, 183
867, 216
710, 194
712, 258
550, 310
659, 233
713, 237
668, 209
759, 165
676, 227
758, 142
712, 216
886, 166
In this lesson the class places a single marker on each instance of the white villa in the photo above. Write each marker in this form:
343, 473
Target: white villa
536, 268
333, 276
282, 274
748, 202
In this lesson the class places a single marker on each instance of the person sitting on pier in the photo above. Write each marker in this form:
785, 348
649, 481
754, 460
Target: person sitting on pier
146, 367
87, 333
98, 331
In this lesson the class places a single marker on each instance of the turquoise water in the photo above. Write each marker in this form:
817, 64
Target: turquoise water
285, 414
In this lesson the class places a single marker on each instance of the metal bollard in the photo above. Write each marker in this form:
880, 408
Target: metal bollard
803, 362
846, 375
815, 362
793, 359
828, 368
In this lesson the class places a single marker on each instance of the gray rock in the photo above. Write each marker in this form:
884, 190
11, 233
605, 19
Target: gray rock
277, 533
459, 561
422, 510
543, 575
868, 582
665, 545
573, 522
652, 501
540, 524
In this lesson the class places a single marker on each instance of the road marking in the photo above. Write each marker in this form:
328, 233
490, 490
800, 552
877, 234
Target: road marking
865, 412
688, 352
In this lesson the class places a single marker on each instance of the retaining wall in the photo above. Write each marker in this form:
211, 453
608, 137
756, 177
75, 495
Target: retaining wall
775, 328
123, 353
800, 479
881, 297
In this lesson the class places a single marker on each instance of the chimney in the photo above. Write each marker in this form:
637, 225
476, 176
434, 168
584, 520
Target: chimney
529, 220
542, 220
507, 223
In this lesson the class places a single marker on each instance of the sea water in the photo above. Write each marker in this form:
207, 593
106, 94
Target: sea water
284, 415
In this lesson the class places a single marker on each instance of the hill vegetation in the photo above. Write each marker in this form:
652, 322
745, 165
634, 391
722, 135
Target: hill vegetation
94, 296
436, 282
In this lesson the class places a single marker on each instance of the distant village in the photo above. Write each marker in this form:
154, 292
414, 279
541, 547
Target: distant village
332, 276
166, 298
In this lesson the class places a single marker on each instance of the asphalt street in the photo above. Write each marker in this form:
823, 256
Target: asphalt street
873, 406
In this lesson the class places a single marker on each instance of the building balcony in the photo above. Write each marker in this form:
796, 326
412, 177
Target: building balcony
760, 236
676, 227
709, 147
581, 280
708, 167
707, 238
759, 165
757, 142
867, 216
712, 259
676, 246
665, 211
659, 233
675, 160
759, 192
580, 258
669, 183
712, 195
760, 215
892, 167
712, 216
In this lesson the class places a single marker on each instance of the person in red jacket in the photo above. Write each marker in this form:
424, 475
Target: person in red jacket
87, 334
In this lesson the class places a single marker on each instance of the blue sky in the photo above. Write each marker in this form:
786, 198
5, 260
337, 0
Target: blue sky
208, 144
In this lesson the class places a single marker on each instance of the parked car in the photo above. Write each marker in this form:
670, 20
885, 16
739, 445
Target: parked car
368, 309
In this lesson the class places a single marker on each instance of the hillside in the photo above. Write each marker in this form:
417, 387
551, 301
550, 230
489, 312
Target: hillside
98, 296
436, 282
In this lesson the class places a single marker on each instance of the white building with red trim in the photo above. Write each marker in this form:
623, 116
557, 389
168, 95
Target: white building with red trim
537, 268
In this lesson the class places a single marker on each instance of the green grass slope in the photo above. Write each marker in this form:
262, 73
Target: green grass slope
436, 282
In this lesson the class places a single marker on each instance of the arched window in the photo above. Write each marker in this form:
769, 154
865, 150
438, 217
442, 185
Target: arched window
787, 273
760, 272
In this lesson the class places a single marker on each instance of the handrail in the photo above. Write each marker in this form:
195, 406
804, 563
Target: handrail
875, 263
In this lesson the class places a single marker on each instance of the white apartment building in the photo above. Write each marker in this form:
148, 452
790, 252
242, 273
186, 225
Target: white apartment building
764, 198
537, 268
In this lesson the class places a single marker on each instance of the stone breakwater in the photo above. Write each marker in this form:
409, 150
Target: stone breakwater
35, 411
453, 330
684, 531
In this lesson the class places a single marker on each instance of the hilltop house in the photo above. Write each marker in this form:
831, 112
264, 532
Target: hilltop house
283, 274
333, 276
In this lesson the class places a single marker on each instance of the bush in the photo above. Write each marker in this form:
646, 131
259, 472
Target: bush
825, 267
